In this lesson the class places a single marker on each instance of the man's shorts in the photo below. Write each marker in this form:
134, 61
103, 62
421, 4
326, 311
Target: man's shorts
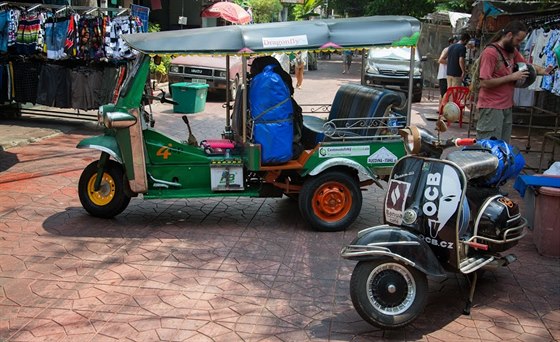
494, 123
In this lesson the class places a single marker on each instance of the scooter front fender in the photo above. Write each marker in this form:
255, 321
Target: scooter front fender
103, 143
397, 243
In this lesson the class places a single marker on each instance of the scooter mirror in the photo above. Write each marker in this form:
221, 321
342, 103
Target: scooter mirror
441, 126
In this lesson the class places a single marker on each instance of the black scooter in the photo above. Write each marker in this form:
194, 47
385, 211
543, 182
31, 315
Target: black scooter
438, 219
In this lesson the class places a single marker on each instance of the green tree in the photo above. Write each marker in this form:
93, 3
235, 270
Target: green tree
352, 8
356, 8
303, 10
264, 11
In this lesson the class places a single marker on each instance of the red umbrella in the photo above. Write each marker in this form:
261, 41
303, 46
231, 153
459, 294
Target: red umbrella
227, 10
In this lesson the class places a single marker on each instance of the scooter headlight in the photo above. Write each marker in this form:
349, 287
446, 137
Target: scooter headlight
411, 137
409, 216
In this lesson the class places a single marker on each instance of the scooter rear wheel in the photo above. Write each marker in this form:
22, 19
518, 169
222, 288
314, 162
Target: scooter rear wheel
388, 294
111, 198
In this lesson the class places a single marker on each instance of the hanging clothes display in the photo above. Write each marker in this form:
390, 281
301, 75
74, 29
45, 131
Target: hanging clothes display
30, 34
538, 48
54, 87
60, 58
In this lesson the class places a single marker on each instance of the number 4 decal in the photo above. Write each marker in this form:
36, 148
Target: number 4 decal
164, 152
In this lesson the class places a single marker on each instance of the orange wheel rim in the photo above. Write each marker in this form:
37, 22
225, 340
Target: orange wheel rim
332, 201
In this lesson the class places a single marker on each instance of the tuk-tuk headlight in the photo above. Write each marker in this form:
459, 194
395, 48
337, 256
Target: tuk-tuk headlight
119, 120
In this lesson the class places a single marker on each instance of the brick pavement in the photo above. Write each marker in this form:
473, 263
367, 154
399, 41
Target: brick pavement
216, 269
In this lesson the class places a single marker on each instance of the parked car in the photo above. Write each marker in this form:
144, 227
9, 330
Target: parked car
206, 69
390, 67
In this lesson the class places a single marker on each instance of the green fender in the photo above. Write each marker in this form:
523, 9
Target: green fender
103, 143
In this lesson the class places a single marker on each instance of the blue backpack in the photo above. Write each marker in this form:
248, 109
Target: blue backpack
510, 161
272, 116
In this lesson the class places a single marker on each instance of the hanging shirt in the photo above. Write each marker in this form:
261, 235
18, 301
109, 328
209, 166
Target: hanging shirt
550, 59
539, 57
442, 68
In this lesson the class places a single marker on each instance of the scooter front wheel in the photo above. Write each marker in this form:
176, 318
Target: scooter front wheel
388, 294
110, 199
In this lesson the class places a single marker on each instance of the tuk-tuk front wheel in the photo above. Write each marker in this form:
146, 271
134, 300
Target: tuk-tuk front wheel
388, 294
330, 201
110, 199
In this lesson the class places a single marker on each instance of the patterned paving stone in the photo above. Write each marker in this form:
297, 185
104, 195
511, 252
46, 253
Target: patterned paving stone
231, 269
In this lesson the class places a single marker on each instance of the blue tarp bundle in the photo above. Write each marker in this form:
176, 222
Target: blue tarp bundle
272, 114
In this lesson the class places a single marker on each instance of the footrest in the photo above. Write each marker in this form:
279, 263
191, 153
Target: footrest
472, 264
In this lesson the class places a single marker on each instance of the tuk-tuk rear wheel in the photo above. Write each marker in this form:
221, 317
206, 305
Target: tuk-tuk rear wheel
330, 201
110, 199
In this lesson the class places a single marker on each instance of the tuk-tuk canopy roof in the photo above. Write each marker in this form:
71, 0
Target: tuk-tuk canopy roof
282, 36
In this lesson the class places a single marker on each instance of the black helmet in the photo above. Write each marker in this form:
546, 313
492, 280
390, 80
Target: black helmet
525, 82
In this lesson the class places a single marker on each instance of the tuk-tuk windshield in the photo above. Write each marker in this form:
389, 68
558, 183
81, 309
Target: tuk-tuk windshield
133, 67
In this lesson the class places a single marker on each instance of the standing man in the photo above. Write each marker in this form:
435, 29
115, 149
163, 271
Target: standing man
456, 68
497, 81
442, 70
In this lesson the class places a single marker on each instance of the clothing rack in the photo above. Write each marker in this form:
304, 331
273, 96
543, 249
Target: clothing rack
41, 110
86, 9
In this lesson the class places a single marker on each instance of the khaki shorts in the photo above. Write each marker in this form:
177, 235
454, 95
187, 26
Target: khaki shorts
494, 123
453, 81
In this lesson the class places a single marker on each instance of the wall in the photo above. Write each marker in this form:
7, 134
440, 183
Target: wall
433, 39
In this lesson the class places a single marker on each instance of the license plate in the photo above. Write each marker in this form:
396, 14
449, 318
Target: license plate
198, 80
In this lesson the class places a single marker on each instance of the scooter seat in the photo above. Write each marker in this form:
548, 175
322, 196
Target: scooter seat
474, 164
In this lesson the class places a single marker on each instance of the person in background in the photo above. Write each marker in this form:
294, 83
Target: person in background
456, 68
471, 56
442, 70
299, 66
346, 61
497, 81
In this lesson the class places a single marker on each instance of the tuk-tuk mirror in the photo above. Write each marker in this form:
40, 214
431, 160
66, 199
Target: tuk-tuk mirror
157, 59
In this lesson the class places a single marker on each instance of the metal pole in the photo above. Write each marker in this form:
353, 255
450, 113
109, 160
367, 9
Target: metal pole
363, 71
228, 96
410, 83
244, 106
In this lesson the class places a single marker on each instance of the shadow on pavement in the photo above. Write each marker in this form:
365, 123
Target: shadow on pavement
7, 159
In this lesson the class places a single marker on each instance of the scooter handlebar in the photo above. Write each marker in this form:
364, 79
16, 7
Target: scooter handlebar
465, 141
161, 98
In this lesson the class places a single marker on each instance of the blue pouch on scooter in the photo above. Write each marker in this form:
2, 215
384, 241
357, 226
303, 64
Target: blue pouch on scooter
272, 116
510, 161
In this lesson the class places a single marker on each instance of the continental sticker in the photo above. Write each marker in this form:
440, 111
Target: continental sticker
382, 156
343, 151
395, 201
